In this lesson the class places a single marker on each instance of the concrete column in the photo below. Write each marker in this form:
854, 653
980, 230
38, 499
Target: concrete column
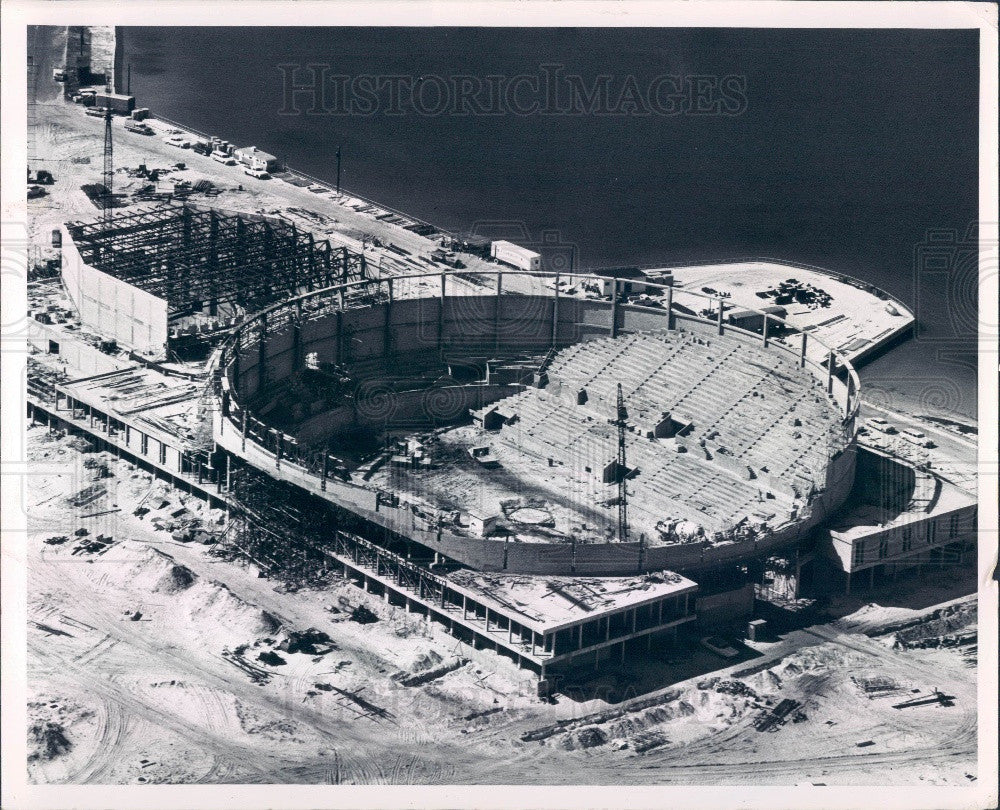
496, 314
802, 354
533, 638
615, 291
765, 331
441, 312
465, 608
721, 328
555, 314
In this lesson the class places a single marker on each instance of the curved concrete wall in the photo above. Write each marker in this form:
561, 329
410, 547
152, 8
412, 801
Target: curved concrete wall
376, 339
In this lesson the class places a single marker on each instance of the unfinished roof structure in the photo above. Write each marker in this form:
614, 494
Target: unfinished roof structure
201, 259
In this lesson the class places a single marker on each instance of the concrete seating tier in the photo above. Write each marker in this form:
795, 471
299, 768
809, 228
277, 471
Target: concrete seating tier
754, 415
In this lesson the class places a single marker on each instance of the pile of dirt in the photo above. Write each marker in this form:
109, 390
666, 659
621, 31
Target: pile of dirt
363, 615
178, 578
953, 625
135, 565
209, 602
631, 725
769, 680
49, 740
588, 737
424, 660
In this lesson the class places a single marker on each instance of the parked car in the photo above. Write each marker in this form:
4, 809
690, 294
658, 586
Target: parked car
177, 140
316, 188
224, 158
719, 646
880, 425
36, 191
97, 112
917, 437
260, 174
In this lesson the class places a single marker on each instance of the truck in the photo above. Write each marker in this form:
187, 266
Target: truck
119, 103
515, 255
138, 127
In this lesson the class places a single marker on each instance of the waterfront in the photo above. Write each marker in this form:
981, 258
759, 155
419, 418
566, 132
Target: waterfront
798, 175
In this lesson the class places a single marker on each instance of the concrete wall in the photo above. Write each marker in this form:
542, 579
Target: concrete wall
725, 609
112, 308
82, 359
421, 408
388, 334
898, 543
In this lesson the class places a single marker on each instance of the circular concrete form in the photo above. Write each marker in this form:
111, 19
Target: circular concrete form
529, 516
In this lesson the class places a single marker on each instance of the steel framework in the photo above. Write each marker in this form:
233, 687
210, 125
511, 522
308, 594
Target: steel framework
196, 258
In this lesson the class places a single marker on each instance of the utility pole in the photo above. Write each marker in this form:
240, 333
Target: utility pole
338, 170
622, 471
109, 168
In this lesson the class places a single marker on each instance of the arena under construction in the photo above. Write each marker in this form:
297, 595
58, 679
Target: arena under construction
546, 471
316, 492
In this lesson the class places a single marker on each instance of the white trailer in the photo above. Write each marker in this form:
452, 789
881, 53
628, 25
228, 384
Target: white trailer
515, 255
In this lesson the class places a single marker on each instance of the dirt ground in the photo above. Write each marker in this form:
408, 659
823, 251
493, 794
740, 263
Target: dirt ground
144, 667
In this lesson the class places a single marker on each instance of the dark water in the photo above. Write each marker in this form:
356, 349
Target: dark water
836, 148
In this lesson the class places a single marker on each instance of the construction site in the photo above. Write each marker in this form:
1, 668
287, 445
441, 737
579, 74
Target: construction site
384, 519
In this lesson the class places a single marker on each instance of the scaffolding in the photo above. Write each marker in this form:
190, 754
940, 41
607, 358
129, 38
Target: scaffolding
276, 526
203, 258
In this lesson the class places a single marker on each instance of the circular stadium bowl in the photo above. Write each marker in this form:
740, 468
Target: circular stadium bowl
484, 424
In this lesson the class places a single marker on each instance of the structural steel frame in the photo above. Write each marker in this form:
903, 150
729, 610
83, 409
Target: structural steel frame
193, 257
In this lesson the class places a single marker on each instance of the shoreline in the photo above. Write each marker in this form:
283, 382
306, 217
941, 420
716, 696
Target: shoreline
884, 347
